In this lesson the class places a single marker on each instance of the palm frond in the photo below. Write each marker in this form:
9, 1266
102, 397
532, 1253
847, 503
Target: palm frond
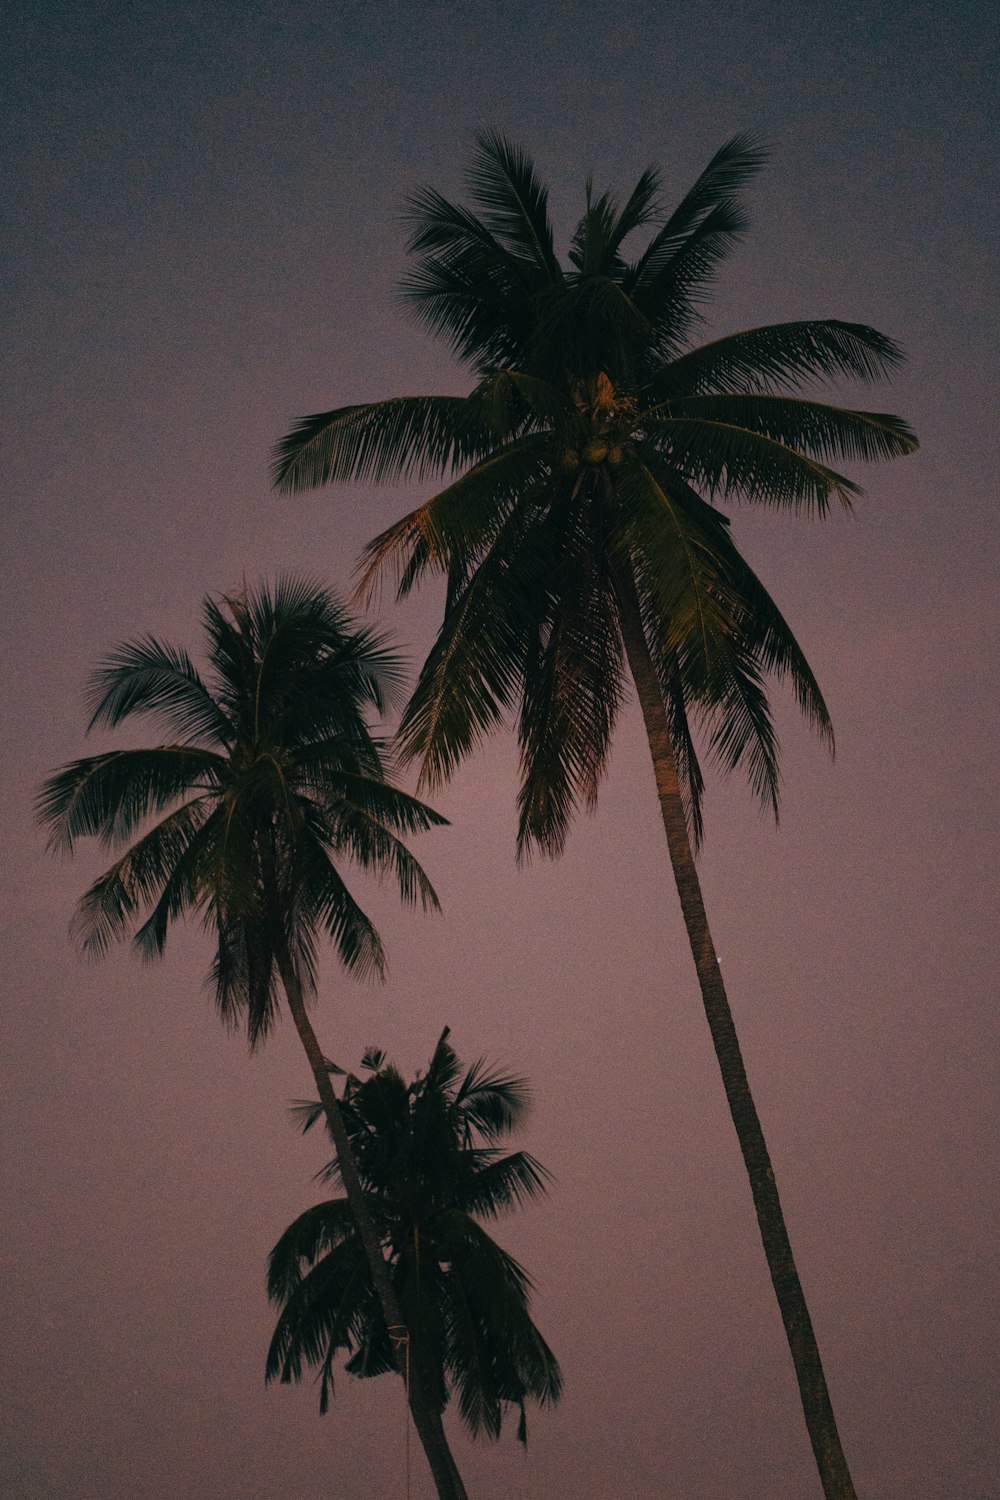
808, 427
726, 459
107, 796
573, 687
712, 200
332, 907
313, 1234
328, 1310
408, 437
452, 529
182, 880
692, 783
466, 285
505, 1184
362, 835
474, 670
504, 184
492, 1104
150, 677
597, 240
108, 909
779, 355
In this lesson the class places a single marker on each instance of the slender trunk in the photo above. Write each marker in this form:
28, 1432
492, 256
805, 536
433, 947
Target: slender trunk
426, 1419
820, 1421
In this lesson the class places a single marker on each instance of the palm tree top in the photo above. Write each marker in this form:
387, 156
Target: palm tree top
441, 1130
590, 461
271, 778
430, 1157
488, 280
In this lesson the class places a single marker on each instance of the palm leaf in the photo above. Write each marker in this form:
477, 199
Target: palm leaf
573, 686
409, 437
505, 1184
106, 911
504, 184
107, 796
149, 677
454, 527
780, 354
712, 200
809, 427
725, 458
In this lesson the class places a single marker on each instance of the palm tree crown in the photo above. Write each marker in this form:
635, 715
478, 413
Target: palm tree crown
272, 777
431, 1163
591, 455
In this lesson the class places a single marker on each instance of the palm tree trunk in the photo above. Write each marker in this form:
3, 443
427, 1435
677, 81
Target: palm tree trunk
820, 1420
426, 1420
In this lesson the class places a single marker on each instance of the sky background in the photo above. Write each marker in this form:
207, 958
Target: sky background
202, 220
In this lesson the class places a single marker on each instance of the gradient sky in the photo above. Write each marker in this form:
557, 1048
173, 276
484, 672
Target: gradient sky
202, 203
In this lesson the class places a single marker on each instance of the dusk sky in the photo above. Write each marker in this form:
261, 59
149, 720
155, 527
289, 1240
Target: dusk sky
204, 237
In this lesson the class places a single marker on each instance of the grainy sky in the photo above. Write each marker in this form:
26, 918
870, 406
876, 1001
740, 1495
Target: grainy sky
202, 208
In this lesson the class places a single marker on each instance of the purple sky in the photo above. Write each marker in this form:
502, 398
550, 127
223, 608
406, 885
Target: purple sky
204, 212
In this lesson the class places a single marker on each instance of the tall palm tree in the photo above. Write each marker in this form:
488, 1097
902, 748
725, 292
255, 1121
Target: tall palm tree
431, 1163
271, 777
580, 533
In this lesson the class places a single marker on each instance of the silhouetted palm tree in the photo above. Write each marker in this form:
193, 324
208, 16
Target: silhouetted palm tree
430, 1161
274, 776
582, 540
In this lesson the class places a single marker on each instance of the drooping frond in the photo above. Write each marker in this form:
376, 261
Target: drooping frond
150, 677
573, 687
778, 356
808, 427
310, 1236
107, 796
453, 528
107, 911
503, 1185
362, 830
725, 459
475, 667
692, 782
184, 881
328, 905
409, 437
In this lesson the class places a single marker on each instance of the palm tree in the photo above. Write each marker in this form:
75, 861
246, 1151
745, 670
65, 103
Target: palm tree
582, 541
271, 777
430, 1160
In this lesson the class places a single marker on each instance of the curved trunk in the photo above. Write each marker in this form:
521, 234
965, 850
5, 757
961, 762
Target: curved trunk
820, 1421
426, 1419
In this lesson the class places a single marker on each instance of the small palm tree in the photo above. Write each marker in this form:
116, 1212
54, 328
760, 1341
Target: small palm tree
271, 778
582, 541
431, 1165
